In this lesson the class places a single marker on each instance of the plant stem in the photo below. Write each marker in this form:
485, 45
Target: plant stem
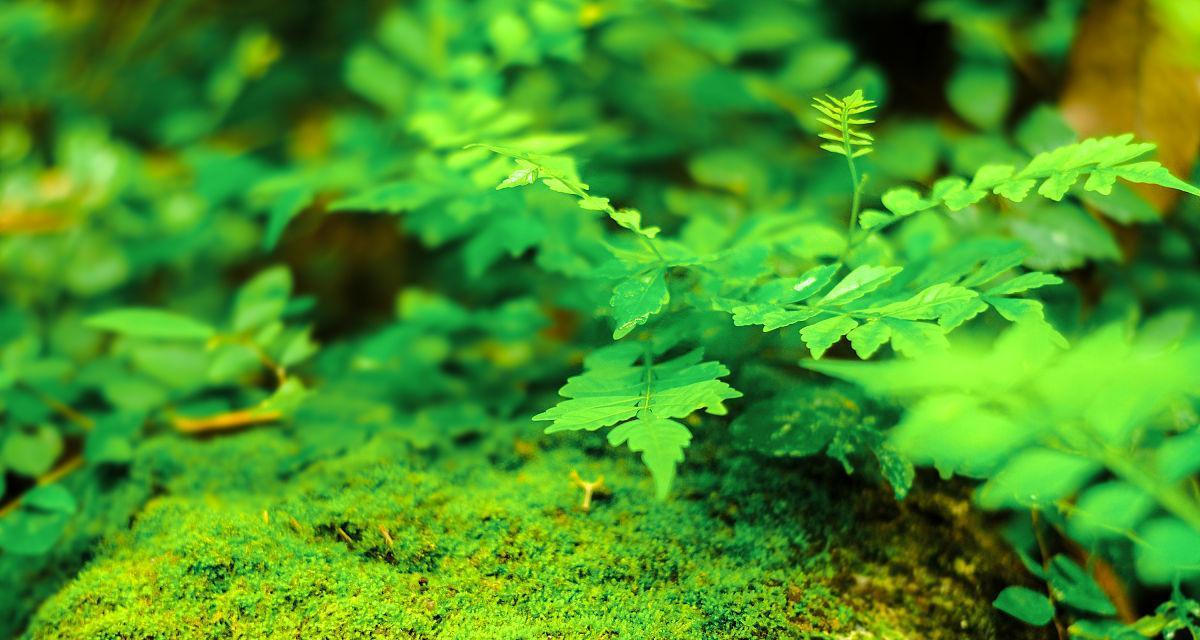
855, 184
648, 362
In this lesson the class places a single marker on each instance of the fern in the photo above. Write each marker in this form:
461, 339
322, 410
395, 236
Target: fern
843, 117
862, 307
643, 400
1102, 160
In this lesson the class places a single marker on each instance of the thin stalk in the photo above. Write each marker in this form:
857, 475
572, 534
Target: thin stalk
855, 183
648, 363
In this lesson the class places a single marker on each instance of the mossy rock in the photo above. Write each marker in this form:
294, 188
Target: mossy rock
248, 539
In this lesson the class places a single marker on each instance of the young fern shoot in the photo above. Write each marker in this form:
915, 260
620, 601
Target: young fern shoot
842, 116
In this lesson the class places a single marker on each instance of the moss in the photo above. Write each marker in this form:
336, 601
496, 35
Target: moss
488, 541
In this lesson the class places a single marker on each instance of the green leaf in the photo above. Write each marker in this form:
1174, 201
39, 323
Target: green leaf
287, 206
1025, 605
913, 339
873, 218
262, 300
31, 453
520, 177
859, 283
1015, 190
661, 443
1178, 457
1073, 586
636, 299
614, 388
631, 219
1108, 511
151, 323
771, 316
981, 93
867, 338
1037, 477
1023, 283
389, 197
813, 281
1153, 173
822, 335
51, 498
30, 531
904, 201
1169, 551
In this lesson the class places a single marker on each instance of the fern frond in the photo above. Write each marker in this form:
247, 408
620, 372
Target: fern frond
838, 115
867, 308
1054, 172
646, 398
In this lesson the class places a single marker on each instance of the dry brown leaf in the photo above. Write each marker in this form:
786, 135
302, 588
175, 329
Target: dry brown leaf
1126, 73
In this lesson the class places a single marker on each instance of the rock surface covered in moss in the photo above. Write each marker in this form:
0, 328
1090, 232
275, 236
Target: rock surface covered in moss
486, 539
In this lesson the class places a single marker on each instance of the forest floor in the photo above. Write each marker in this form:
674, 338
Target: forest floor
266, 534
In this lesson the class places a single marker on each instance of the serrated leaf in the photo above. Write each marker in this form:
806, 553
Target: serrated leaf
632, 219
661, 443
1023, 283
520, 177
636, 299
859, 283
989, 176
904, 201
1153, 173
867, 338
1057, 185
873, 219
822, 335
1016, 190
771, 316
813, 281
614, 388
913, 339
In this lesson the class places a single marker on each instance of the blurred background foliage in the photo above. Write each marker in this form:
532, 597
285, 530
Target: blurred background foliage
235, 163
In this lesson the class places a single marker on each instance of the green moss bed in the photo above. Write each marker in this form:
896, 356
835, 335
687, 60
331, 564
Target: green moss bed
263, 534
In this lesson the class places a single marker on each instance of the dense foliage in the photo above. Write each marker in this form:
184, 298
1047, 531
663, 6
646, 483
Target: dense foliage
695, 221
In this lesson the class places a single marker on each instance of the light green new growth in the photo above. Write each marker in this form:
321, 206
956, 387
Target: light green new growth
838, 114
645, 399
559, 174
1102, 160
643, 293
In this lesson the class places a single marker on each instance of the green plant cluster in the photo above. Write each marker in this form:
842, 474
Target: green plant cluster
428, 217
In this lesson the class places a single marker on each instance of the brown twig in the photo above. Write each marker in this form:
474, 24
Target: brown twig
589, 488
344, 536
1045, 553
62, 409
225, 421
386, 536
50, 477
32, 222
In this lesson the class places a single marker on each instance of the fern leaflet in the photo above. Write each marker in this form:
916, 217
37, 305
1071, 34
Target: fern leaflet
645, 399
